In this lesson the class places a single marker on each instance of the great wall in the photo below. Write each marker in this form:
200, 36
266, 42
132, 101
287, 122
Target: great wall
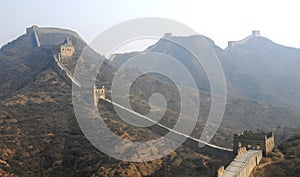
64, 72
254, 34
35, 31
242, 165
248, 155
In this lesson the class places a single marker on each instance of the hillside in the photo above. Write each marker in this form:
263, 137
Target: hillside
240, 114
41, 137
243, 110
39, 142
20, 63
284, 161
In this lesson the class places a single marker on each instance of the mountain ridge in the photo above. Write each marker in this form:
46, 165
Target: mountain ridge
255, 69
40, 135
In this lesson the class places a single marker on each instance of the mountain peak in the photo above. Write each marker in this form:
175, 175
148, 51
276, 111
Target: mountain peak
255, 34
42, 30
50, 35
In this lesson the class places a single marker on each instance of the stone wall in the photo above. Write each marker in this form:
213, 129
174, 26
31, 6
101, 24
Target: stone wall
256, 141
98, 94
33, 32
39, 32
61, 72
58, 30
64, 72
66, 51
255, 33
252, 162
234, 43
241, 150
270, 144
242, 165
221, 171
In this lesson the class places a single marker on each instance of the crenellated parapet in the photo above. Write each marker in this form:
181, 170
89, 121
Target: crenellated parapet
254, 140
242, 165
254, 135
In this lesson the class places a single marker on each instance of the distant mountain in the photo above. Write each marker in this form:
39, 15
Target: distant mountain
242, 111
265, 71
255, 68
172, 46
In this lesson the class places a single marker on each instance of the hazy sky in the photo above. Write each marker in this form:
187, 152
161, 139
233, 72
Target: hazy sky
220, 20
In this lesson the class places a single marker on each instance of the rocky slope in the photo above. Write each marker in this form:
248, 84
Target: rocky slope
284, 161
40, 135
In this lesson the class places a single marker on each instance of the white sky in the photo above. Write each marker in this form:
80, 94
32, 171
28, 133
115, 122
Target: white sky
220, 20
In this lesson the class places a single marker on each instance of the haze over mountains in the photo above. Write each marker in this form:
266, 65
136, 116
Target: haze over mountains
256, 68
40, 135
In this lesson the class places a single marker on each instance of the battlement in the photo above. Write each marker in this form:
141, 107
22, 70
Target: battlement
242, 165
253, 135
254, 140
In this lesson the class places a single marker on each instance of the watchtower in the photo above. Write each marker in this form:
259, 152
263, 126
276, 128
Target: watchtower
167, 35
32, 29
98, 94
255, 33
66, 49
250, 140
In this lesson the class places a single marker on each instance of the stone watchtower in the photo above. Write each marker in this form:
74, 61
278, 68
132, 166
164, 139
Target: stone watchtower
255, 33
32, 29
259, 141
66, 49
98, 94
